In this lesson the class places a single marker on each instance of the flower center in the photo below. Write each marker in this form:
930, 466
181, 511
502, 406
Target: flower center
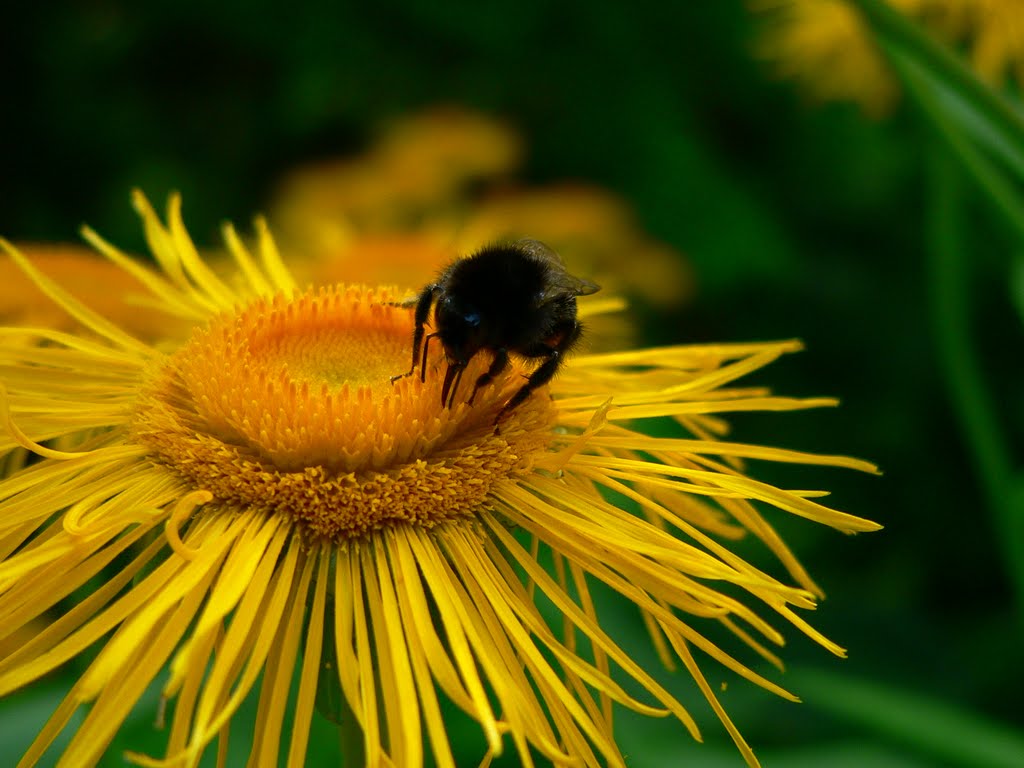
288, 405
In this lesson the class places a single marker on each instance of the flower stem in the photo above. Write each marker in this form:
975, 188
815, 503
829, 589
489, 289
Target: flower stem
331, 701
992, 183
897, 31
350, 738
931, 73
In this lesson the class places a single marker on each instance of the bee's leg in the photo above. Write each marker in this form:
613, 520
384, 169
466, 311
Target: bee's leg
423, 302
568, 336
423, 360
455, 385
452, 377
412, 301
499, 364
538, 378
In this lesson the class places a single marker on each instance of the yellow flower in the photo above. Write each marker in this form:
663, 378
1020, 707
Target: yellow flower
98, 284
825, 45
827, 48
259, 498
993, 31
417, 165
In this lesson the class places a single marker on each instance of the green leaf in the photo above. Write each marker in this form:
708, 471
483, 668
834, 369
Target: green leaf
955, 735
1017, 284
987, 115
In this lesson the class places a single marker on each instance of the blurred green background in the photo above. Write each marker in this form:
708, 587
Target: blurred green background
798, 221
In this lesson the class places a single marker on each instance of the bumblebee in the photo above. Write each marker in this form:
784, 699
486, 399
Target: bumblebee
508, 299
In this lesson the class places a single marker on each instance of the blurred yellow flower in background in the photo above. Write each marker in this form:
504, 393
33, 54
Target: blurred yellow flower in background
417, 166
993, 33
595, 232
260, 499
826, 47
437, 185
99, 285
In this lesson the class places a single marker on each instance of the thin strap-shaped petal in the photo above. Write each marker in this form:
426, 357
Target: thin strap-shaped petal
127, 683
576, 546
186, 691
456, 648
310, 661
502, 669
172, 298
271, 257
344, 636
181, 580
744, 486
203, 278
683, 652
405, 743
114, 360
38, 491
686, 356
501, 619
91, 320
253, 276
248, 641
640, 442
160, 244
83, 611
30, 597
593, 631
716, 549
50, 731
586, 604
277, 677
365, 659
418, 657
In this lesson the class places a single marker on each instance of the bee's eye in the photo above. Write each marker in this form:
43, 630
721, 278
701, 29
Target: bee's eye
471, 319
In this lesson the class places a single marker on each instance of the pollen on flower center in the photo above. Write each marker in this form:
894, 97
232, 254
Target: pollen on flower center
288, 404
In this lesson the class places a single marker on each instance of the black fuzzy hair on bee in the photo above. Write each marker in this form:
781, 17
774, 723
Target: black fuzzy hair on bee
509, 299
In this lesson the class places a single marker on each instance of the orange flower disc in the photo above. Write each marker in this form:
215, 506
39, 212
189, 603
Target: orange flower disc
287, 404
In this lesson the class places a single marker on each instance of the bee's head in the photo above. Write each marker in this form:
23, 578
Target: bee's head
459, 327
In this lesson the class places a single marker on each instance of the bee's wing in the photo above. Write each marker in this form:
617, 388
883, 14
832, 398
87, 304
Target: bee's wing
566, 283
562, 282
